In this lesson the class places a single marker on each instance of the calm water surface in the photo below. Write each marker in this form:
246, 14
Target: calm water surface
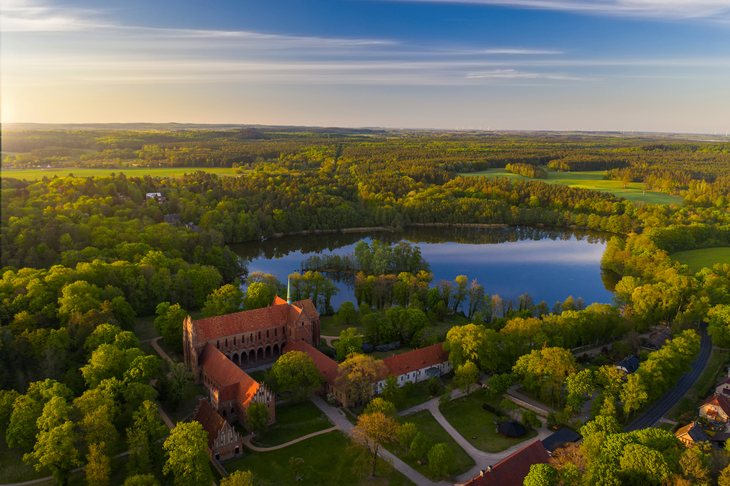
548, 264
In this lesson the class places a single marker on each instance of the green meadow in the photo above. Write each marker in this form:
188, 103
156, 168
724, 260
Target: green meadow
706, 257
590, 180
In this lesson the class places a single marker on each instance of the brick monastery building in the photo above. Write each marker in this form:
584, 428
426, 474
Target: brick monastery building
214, 348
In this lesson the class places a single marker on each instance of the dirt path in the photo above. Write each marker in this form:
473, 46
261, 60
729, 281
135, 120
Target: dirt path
247, 440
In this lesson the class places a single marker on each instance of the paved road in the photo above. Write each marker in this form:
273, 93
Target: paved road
670, 399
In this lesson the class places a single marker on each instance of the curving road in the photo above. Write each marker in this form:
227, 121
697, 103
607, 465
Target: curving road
670, 399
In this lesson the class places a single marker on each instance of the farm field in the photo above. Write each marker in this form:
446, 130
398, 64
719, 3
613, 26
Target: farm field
590, 180
699, 259
33, 174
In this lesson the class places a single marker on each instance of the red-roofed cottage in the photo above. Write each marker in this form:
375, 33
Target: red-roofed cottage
417, 365
223, 440
716, 408
513, 470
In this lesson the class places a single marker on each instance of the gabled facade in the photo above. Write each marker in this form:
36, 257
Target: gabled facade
692, 434
223, 440
716, 408
723, 387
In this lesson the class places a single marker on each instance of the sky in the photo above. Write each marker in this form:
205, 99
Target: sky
641, 65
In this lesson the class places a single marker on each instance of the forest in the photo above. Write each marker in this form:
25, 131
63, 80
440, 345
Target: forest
83, 258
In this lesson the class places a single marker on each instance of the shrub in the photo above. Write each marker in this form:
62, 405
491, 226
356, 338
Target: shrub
492, 409
434, 387
367, 348
388, 347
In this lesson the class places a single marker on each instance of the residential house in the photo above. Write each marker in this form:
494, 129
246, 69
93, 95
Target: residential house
723, 387
560, 439
629, 364
223, 440
656, 341
513, 470
716, 408
692, 434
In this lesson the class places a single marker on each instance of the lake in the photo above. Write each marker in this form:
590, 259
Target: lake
547, 263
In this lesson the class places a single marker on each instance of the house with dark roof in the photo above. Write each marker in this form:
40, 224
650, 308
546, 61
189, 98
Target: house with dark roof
656, 341
416, 366
716, 408
561, 438
723, 387
231, 389
692, 434
173, 219
327, 369
513, 470
629, 364
223, 440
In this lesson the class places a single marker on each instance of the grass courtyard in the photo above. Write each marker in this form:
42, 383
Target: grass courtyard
704, 258
428, 426
477, 425
292, 421
328, 460
590, 180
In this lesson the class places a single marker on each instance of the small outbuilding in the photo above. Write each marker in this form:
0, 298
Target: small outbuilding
511, 428
692, 434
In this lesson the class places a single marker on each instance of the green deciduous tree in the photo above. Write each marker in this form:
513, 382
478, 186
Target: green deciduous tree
258, 295
472, 343
391, 391
406, 433
350, 342
238, 478
579, 387
420, 446
347, 312
143, 436
98, 466
187, 455
633, 393
542, 475
258, 417
381, 406
54, 450
297, 375
466, 377
441, 459
169, 324
225, 300
142, 480
356, 374
545, 370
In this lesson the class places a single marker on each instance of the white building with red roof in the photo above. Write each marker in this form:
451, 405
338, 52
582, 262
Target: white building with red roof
416, 366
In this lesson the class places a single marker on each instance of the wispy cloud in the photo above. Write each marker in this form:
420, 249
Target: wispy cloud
514, 74
661, 9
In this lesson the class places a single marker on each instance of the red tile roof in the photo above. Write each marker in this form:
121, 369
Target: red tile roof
235, 383
210, 420
416, 359
513, 470
274, 315
308, 307
719, 400
327, 366
724, 381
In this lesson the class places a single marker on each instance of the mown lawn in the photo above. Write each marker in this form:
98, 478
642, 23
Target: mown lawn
328, 460
590, 180
33, 174
293, 421
12, 467
477, 425
428, 426
704, 258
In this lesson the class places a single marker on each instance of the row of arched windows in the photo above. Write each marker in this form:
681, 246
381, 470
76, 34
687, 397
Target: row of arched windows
251, 337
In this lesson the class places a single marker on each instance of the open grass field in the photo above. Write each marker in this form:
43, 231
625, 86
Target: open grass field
477, 425
590, 180
699, 259
33, 174
328, 460
429, 427
293, 421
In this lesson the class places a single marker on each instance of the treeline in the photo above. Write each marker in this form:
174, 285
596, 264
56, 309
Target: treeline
376, 258
526, 170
